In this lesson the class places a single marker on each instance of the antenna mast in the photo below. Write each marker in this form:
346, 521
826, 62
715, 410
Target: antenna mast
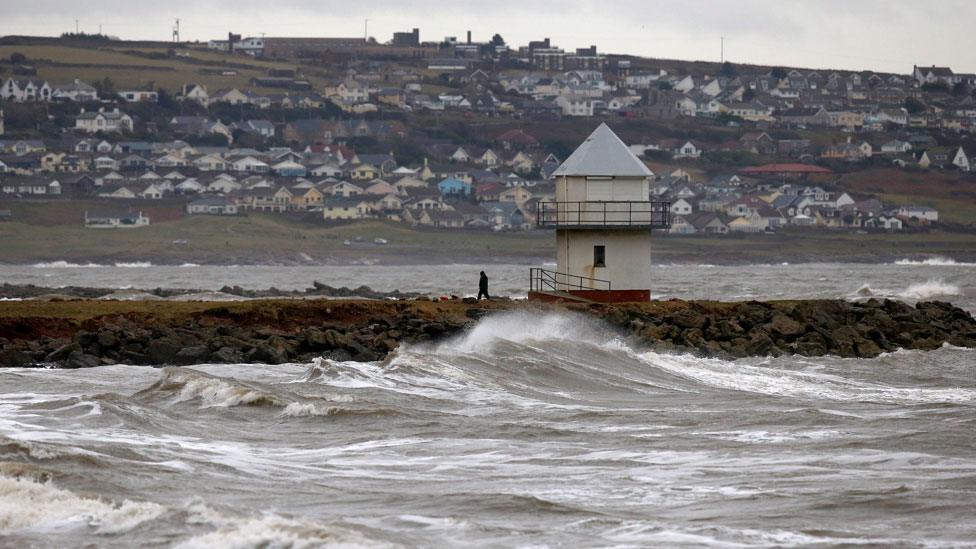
723, 49
176, 32
365, 30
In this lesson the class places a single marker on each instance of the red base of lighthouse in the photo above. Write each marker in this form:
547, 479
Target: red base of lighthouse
598, 296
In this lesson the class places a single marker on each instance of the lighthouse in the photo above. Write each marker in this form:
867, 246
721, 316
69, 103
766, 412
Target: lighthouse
603, 217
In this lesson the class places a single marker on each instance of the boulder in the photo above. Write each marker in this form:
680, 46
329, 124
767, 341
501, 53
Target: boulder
162, 351
77, 359
62, 353
193, 355
12, 358
785, 326
228, 355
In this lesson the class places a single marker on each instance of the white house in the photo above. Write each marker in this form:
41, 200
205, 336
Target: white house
21, 90
681, 207
103, 121
75, 91
919, 212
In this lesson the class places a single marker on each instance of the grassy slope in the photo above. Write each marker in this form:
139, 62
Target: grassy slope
952, 193
156, 70
266, 238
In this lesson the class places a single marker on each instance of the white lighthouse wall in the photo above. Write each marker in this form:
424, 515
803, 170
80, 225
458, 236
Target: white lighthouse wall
601, 189
628, 256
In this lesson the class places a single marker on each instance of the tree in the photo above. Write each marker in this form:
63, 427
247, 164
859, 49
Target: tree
728, 69
778, 72
664, 85
17, 58
497, 40
914, 106
960, 89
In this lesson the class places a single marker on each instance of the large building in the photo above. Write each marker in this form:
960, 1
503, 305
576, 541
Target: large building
603, 221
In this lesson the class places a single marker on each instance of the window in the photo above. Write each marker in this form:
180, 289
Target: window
599, 256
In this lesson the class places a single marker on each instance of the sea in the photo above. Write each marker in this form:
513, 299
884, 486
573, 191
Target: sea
531, 429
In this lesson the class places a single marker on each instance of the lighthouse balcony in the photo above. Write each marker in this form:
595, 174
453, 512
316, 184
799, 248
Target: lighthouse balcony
604, 215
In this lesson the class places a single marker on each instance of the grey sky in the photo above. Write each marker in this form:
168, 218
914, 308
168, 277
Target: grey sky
886, 35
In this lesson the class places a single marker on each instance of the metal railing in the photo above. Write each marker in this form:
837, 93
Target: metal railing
541, 280
600, 214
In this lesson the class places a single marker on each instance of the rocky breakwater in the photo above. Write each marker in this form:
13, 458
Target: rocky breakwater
808, 328
85, 333
79, 334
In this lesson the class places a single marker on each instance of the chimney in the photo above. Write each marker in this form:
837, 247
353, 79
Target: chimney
469, 37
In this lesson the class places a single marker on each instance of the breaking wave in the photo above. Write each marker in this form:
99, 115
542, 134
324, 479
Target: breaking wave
65, 265
934, 287
934, 262
27, 504
185, 385
930, 288
69, 265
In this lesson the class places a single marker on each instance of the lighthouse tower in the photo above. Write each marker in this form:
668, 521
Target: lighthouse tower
603, 219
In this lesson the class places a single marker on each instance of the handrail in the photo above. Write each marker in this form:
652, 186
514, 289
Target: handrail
541, 280
605, 213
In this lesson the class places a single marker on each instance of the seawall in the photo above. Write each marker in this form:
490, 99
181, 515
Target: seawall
86, 333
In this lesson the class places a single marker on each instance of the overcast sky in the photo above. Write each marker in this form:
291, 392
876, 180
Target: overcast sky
883, 35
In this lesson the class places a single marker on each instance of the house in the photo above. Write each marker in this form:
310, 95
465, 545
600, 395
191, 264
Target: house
306, 198
454, 186
249, 164
896, 147
918, 212
195, 92
687, 150
109, 219
75, 91
137, 96
21, 90
103, 121
340, 208
681, 207
344, 189
211, 206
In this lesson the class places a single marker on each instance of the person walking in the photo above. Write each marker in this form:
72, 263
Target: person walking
483, 286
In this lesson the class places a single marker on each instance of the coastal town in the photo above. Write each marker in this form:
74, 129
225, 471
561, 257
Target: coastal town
457, 134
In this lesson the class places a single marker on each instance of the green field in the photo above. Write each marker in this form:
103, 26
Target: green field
130, 70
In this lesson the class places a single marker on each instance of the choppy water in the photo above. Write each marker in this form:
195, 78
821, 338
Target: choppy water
530, 430
909, 280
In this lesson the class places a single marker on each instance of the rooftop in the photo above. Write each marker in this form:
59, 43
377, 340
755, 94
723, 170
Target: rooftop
603, 154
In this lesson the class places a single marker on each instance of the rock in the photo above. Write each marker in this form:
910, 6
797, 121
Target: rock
107, 340
476, 314
686, 318
12, 358
62, 352
228, 355
162, 351
192, 355
77, 359
785, 326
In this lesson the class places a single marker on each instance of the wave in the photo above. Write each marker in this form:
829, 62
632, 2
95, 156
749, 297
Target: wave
28, 504
185, 385
276, 531
66, 265
933, 287
934, 262
188, 265
69, 265
930, 288
777, 382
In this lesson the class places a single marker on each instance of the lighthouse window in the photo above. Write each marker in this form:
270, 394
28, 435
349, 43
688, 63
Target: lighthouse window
599, 256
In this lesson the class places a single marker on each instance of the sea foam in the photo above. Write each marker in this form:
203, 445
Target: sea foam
930, 288
26, 504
